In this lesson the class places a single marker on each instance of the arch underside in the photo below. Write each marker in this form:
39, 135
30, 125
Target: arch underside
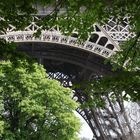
72, 63
72, 66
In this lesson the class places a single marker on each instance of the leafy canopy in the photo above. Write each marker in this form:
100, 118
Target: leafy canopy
79, 16
33, 106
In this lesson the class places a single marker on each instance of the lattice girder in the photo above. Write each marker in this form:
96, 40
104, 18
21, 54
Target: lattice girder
99, 42
118, 31
103, 43
54, 37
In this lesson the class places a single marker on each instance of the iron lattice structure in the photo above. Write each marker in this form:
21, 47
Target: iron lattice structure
72, 63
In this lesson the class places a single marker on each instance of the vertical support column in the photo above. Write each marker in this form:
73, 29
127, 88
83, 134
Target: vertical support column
40, 60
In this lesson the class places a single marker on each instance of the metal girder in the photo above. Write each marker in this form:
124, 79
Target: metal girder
84, 60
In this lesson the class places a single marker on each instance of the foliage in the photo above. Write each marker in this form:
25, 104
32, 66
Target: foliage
69, 14
124, 83
79, 16
92, 97
34, 107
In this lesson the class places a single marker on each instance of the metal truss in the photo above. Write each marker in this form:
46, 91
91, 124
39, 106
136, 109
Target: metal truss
118, 31
99, 42
108, 123
104, 42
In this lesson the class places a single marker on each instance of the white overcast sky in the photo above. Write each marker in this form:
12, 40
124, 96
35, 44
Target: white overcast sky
85, 129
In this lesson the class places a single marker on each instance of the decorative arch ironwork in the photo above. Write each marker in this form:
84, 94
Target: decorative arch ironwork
102, 43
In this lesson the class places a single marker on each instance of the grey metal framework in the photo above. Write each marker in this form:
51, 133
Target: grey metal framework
70, 63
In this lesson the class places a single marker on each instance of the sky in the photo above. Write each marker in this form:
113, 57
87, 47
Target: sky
85, 129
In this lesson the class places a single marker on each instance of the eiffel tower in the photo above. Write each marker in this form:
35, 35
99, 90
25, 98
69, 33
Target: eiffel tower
71, 63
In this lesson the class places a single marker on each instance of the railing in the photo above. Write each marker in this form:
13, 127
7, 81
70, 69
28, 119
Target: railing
53, 37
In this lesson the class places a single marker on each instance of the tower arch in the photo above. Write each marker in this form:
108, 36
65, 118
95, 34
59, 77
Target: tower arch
71, 62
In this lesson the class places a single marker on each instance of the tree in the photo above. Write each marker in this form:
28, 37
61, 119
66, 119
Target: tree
85, 14
75, 13
33, 106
